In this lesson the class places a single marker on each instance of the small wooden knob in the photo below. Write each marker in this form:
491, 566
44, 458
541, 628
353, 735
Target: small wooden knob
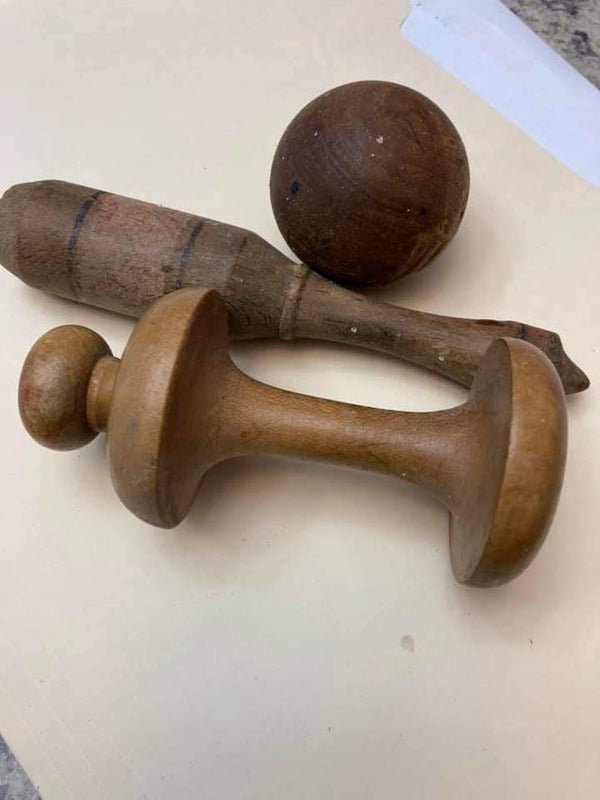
369, 182
53, 390
176, 405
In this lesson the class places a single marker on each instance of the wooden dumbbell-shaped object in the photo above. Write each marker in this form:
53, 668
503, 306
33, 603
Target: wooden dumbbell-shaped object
175, 405
122, 254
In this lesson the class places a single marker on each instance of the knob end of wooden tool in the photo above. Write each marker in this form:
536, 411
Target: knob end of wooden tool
53, 389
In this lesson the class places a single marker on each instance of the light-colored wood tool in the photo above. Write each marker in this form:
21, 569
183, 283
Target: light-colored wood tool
122, 254
175, 405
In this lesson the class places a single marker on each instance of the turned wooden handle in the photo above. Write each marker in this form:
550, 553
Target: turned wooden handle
450, 346
176, 405
122, 254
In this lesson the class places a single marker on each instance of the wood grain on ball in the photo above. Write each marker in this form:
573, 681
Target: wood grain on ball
369, 182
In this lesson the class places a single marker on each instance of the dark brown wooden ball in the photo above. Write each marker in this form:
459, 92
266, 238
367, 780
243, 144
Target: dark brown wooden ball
369, 182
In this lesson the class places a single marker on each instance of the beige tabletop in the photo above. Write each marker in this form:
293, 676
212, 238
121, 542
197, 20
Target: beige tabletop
300, 635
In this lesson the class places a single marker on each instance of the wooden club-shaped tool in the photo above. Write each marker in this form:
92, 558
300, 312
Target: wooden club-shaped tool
122, 254
175, 405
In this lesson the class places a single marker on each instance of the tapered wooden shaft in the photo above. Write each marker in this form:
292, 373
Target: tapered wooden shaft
424, 448
450, 346
258, 418
122, 254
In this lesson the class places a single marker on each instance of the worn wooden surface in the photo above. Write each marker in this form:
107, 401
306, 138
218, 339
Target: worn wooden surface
369, 182
177, 405
122, 254
55, 404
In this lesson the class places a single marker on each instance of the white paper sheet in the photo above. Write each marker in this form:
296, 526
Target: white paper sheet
497, 56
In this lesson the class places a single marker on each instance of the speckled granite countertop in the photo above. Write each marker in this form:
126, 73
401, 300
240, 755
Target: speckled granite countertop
14, 783
572, 27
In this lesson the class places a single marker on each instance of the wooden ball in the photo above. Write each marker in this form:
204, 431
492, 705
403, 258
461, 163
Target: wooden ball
54, 385
369, 182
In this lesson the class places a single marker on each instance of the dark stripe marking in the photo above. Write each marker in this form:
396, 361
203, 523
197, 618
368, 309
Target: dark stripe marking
74, 237
187, 251
80, 219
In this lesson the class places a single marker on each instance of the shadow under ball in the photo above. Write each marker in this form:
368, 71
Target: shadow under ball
369, 182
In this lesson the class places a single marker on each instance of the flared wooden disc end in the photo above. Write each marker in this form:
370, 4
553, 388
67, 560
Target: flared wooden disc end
513, 480
160, 437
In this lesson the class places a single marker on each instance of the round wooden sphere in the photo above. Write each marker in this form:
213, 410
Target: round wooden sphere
53, 387
369, 182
